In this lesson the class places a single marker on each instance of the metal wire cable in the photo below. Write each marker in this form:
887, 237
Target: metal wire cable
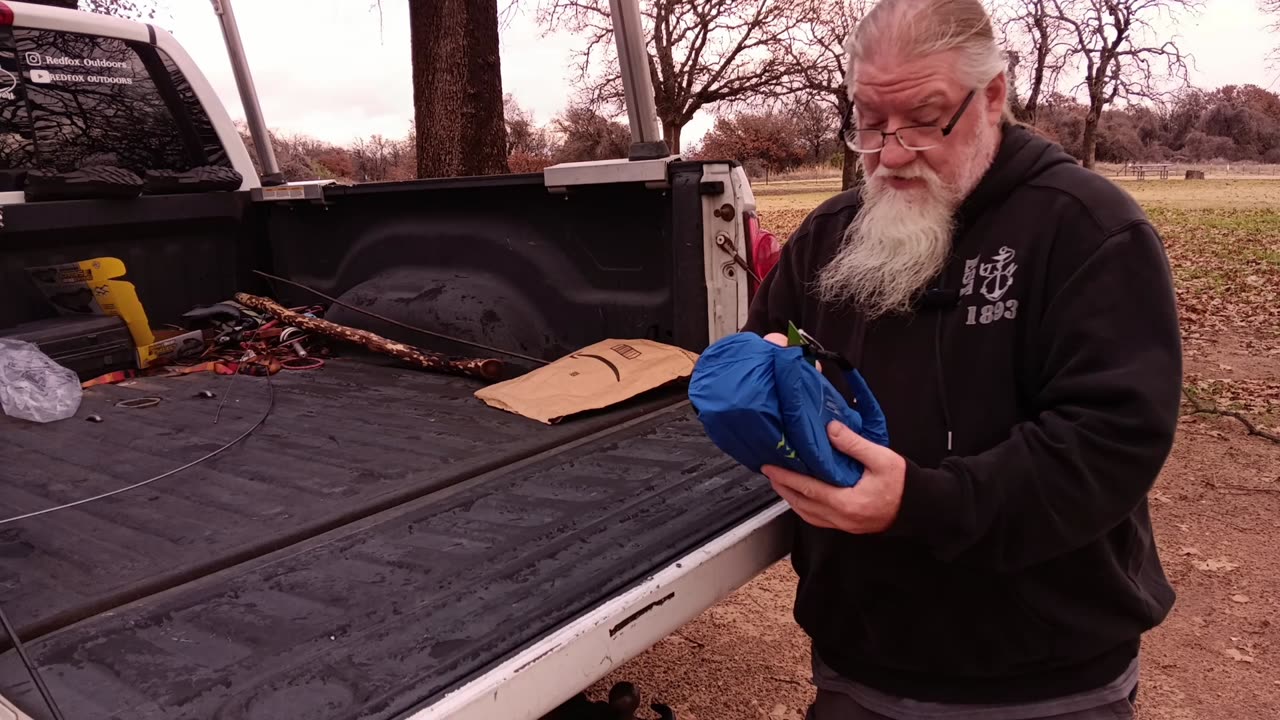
271, 401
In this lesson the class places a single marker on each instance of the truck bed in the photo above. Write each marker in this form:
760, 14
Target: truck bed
383, 538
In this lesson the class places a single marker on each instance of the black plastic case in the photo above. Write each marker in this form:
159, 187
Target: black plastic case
92, 345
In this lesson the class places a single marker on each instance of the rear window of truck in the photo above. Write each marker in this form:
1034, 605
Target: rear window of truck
69, 100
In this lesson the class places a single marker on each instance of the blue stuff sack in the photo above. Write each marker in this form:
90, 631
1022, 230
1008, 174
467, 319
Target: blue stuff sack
763, 404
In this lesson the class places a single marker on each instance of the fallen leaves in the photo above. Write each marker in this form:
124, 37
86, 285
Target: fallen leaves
1216, 565
1243, 652
1226, 266
1259, 398
1238, 656
782, 712
784, 221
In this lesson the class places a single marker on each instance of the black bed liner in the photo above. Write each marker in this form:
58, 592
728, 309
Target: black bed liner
383, 538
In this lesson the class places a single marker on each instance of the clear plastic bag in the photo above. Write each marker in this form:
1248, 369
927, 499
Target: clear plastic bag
34, 387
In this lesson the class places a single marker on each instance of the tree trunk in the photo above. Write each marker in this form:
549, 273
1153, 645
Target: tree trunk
852, 175
1014, 59
1029, 110
457, 88
1089, 146
671, 133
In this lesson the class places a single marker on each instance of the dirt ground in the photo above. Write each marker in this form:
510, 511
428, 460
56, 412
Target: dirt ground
1216, 506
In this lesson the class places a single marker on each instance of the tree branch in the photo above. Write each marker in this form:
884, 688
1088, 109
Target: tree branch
702, 52
1203, 409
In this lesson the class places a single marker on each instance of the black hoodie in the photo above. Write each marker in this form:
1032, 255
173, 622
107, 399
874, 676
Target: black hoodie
1034, 393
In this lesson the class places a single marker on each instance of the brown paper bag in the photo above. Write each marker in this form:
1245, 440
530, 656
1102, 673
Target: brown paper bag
594, 377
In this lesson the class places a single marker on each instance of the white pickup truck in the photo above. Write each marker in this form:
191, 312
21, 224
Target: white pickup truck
385, 545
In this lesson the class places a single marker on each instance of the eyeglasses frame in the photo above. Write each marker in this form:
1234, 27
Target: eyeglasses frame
847, 120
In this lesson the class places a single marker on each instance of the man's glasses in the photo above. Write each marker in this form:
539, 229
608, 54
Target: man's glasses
914, 137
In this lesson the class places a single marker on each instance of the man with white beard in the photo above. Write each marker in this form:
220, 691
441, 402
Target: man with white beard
901, 237
1013, 314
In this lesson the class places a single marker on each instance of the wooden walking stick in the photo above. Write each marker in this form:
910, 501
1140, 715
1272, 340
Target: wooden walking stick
483, 368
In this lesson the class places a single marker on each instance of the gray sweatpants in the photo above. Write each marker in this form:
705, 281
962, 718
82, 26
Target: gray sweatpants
836, 706
841, 699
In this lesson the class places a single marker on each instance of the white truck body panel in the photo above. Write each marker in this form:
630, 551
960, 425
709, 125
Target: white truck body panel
9, 711
44, 17
724, 236
74, 21
600, 172
217, 112
592, 645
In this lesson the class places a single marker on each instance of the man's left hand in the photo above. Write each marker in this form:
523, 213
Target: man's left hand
870, 506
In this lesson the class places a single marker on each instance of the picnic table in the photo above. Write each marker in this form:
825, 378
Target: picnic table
1140, 170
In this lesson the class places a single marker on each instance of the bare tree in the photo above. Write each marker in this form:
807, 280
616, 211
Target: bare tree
293, 152
523, 134
765, 141
1037, 45
815, 125
1107, 38
587, 135
131, 9
379, 158
701, 52
816, 51
1272, 7
457, 88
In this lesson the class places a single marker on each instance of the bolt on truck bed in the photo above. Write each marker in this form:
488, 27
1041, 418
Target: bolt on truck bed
378, 543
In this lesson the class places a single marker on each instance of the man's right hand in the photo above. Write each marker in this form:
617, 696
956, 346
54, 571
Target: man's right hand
781, 340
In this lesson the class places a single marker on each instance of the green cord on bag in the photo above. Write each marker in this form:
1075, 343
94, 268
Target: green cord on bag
813, 350
795, 338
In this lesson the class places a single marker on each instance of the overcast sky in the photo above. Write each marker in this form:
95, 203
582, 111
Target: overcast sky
336, 69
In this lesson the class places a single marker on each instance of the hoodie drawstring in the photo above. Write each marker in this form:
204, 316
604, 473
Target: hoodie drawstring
942, 384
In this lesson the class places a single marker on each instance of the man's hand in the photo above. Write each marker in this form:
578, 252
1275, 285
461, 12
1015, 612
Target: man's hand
777, 339
780, 339
868, 507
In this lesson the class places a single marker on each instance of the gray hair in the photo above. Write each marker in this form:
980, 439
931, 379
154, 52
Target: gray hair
907, 28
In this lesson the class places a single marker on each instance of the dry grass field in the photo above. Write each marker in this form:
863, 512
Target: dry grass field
1216, 506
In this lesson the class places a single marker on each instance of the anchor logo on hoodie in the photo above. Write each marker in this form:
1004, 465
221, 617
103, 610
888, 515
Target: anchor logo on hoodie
998, 274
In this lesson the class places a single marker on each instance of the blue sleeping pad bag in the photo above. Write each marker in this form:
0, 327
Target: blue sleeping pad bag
766, 405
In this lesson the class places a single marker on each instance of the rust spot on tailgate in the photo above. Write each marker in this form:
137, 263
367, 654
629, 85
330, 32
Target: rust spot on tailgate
639, 613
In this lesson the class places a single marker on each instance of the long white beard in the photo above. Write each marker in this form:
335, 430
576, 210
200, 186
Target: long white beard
900, 239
